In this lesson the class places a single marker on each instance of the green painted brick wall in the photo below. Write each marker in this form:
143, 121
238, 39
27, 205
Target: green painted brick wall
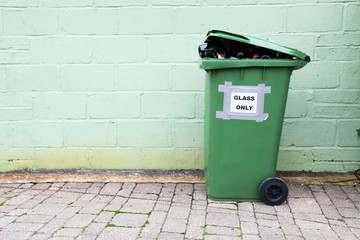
115, 84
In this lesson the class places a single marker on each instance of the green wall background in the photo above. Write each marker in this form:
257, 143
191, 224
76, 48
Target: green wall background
115, 84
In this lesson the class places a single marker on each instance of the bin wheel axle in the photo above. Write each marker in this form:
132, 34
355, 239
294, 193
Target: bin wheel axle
273, 191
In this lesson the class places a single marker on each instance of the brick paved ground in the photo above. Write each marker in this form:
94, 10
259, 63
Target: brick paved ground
172, 211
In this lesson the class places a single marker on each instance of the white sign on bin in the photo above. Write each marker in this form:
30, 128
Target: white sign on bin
243, 102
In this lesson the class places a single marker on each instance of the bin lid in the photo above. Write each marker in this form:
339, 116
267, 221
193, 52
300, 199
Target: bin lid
256, 42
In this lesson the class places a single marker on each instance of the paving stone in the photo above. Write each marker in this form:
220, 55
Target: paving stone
178, 212
322, 198
319, 234
5, 220
221, 219
23, 227
260, 207
304, 205
290, 229
271, 233
228, 231
310, 217
343, 232
18, 212
94, 228
104, 217
316, 188
330, 212
194, 232
34, 218
174, 225
129, 220
119, 233
11, 235
182, 198
222, 237
343, 202
102, 199
352, 222
303, 224
151, 230
144, 196
41, 186
162, 206
19, 199
349, 212
196, 219
172, 236
268, 223
249, 228
86, 237
138, 206
111, 188
148, 188
157, 217
68, 232
40, 236
80, 220
52, 226
299, 191
48, 209
250, 237
93, 207
184, 189
116, 203
68, 212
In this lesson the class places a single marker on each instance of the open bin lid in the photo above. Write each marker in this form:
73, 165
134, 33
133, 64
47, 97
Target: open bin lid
299, 59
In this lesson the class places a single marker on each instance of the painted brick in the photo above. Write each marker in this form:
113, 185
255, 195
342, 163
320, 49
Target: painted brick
317, 75
123, 3
1, 23
144, 133
66, 3
2, 80
285, 2
346, 39
14, 43
200, 162
116, 158
334, 166
60, 106
337, 96
336, 111
62, 50
188, 134
337, 53
89, 21
120, 49
4, 135
352, 17
350, 75
294, 160
15, 113
234, 20
147, 20
30, 22
164, 158
13, 99
36, 134
17, 165
14, 57
17, 154
303, 42
200, 105
347, 134
93, 134
225, 2
165, 105
142, 77
33, 78
67, 158
315, 18
16, 3
337, 154
308, 133
160, 49
88, 78
297, 104
187, 78
114, 105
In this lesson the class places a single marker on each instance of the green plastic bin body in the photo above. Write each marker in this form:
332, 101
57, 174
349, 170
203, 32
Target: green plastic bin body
241, 151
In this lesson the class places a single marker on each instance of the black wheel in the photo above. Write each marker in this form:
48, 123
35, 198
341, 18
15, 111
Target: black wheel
273, 191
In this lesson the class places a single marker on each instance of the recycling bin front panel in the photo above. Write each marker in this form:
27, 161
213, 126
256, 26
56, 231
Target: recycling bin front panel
244, 111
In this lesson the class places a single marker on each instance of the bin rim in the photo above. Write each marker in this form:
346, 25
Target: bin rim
213, 63
256, 42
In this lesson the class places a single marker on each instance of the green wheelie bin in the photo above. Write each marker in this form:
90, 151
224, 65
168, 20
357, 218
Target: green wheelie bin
247, 81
